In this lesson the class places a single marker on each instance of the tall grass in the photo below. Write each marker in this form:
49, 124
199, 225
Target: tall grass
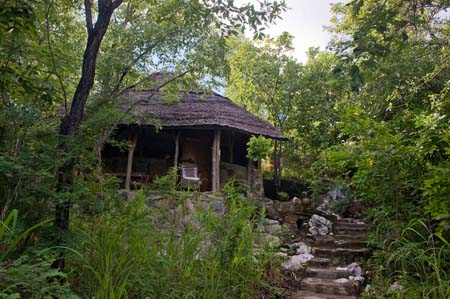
126, 255
422, 260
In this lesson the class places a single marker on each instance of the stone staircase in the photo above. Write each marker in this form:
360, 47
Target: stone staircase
328, 275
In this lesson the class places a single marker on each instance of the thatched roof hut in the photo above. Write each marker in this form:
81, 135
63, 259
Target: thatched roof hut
195, 110
205, 135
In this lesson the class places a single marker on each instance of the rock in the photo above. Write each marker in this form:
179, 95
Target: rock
306, 201
165, 204
218, 207
396, 288
290, 219
329, 199
272, 227
190, 206
300, 248
280, 255
341, 280
287, 208
319, 226
271, 222
296, 262
360, 279
270, 207
303, 248
271, 240
292, 227
283, 196
296, 200
354, 268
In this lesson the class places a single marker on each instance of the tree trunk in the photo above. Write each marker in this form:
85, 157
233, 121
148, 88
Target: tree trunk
71, 122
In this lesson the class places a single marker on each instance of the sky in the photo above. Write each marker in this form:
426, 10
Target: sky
305, 20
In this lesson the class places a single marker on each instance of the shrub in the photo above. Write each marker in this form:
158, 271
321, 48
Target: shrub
124, 254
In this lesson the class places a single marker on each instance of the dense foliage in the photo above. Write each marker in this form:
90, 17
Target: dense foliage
370, 115
72, 59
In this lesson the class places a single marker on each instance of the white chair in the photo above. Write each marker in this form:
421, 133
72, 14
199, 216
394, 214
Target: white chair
189, 175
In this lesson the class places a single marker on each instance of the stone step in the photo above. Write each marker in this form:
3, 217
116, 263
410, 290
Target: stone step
353, 236
337, 252
310, 295
352, 227
348, 220
350, 230
317, 262
330, 241
326, 273
329, 286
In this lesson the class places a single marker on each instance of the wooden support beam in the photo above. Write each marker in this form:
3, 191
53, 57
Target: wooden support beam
231, 146
216, 161
131, 147
175, 157
177, 150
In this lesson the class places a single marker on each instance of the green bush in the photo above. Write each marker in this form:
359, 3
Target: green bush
28, 275
34, 278
258, 148
126, 254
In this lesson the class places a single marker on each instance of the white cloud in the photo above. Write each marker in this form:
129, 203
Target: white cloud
305, 20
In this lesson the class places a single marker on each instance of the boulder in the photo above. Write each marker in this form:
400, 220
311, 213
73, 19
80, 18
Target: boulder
353, 268
329, 199
291, 218
300, 247
287, 208
296, 262
271, 226
396, 288
306, 201
319, 226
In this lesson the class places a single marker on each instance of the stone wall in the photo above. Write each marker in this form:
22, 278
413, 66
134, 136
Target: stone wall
291, 214
250, 177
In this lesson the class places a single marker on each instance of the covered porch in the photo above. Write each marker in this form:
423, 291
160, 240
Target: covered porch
206, 157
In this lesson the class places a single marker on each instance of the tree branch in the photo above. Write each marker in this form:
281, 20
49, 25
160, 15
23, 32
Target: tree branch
127, 68
116, 4
52, 55
88, 8
149, 77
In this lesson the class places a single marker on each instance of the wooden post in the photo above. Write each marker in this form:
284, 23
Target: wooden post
175, 157
177, 150
216, 161
131, 147
231, 146
249, 174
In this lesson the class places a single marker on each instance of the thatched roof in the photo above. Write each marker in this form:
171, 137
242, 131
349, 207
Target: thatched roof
195, 109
